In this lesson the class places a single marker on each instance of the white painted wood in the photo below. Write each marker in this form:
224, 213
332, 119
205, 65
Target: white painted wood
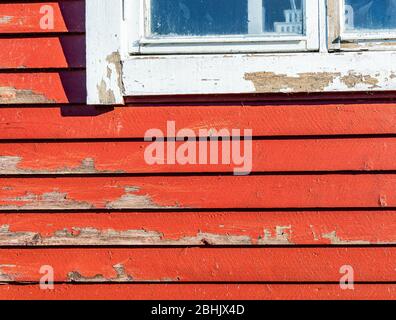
312, 24
323, 39
260, 73
122, 61
226, 47
255, 16
369, 35
103, 34
133, 27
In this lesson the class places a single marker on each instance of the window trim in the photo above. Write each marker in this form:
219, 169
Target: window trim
104, 50
113, 73
339, 40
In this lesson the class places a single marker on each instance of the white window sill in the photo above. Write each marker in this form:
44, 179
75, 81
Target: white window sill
259, 73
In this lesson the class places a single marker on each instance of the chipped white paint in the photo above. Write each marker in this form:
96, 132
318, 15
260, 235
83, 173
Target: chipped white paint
260, 73
122, 61
103, 20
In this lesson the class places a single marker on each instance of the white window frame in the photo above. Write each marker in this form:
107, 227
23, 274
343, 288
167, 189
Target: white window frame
137, 17
122, 62
342, 40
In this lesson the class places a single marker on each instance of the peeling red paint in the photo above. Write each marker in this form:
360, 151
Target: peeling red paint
368, 154
202, 264
201, 292
199, 228
267, 191
307, 134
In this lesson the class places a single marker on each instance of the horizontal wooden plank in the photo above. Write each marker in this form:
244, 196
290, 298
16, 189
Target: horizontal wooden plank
52, 52
200, 192
199, 264
265, 155
199, 228
200, 292
69, 16
42, 87
75, 122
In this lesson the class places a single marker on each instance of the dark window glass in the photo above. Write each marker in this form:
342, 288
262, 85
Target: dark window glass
225, 17
370, 14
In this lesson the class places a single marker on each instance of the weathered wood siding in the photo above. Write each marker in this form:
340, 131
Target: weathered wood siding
76, 194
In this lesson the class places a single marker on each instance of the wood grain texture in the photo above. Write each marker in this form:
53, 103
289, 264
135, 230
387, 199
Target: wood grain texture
199, 228
199, 192
336, 133
201, 292
366, 154
78, 122
51, 52
199, 264
25, 17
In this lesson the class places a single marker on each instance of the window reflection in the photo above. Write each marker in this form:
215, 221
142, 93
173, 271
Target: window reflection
284, 16
226, 17
370, 14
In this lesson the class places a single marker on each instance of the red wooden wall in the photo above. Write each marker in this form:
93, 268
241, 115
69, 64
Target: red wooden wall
76, 194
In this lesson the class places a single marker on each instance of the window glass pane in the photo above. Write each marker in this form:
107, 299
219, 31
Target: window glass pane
226, 17
370, 15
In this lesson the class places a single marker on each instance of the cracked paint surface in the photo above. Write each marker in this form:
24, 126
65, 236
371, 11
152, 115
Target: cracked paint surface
199, 229
155, 265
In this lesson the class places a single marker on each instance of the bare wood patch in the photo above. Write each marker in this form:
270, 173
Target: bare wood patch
11, 165
302, 82
45, 201
309, 82
333, 18
353, 79
91, 236
334, 239
6, 276
5, 19
131, 200
114, 70
10, 95
121, 276
282, 236
10, 238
